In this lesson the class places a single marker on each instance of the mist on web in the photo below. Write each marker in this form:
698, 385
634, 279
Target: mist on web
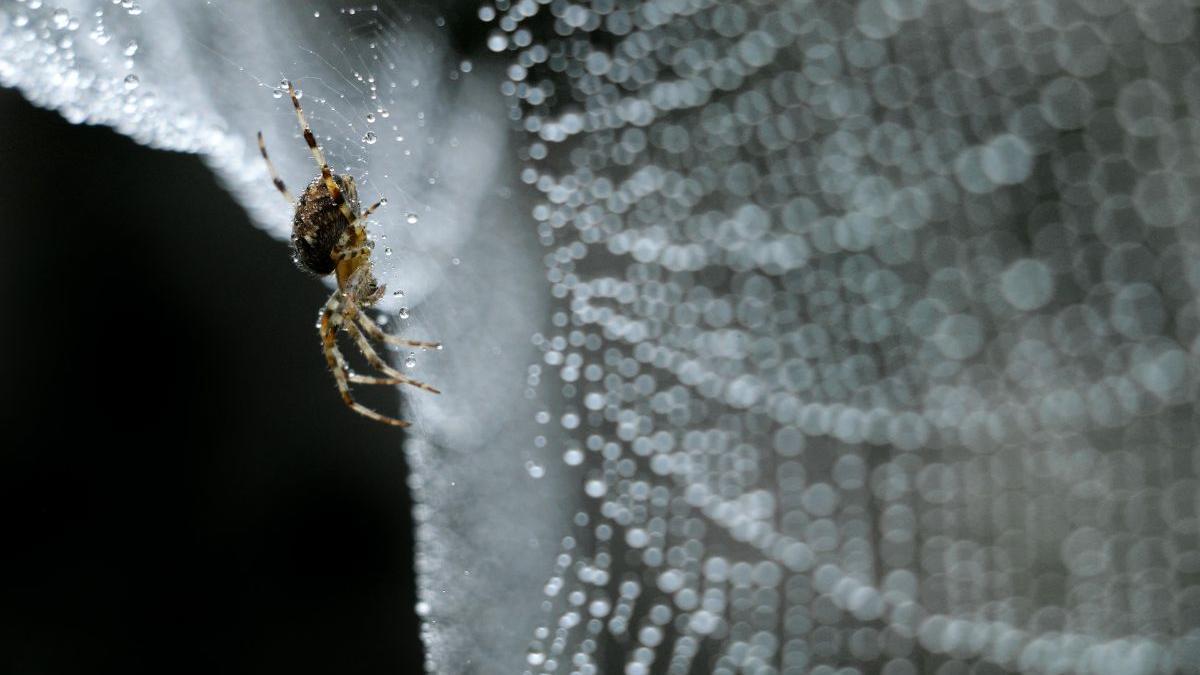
781, 337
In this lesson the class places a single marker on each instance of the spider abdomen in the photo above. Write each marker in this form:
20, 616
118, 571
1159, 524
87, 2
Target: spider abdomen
319, 224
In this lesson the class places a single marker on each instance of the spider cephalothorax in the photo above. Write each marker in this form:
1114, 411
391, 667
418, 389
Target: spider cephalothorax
329, 237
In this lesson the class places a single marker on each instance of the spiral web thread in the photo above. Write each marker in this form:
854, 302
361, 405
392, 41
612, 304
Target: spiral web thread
877, 332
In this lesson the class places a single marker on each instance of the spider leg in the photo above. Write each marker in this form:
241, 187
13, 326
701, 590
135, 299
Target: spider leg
361, 379
375, 360
326, 173
330, 318
350, 253
376, 332
369, 379
262, 148
371, 208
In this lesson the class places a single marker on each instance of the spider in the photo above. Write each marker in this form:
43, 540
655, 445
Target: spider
329, 236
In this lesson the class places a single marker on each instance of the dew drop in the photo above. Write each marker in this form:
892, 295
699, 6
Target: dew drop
595, 488
411, 218
403, 312
61, 18
131, 48
410, 361
131, 82
277, 93
398, 294
535, 657
387, 250
370, 118
535, 470
369, 138
497, 42
316, 15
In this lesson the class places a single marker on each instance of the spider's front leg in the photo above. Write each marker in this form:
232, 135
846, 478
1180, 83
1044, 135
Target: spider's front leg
371, 209
366, 292
376, 332
377, 361
362, 379
331, 318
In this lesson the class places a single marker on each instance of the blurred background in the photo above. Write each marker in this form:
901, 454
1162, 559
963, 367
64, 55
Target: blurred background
181, 488
812, 338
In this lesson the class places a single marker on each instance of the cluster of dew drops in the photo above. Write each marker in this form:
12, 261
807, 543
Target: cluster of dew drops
59, 29
962, 286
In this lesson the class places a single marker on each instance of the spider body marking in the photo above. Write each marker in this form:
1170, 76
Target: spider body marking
329, 236
318, 228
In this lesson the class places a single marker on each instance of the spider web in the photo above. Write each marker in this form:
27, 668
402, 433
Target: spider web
864, 335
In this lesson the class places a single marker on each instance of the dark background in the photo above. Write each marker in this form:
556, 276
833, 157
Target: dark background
181, 488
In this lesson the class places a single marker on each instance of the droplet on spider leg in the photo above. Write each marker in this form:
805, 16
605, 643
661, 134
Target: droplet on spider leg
410, 361
403, 311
